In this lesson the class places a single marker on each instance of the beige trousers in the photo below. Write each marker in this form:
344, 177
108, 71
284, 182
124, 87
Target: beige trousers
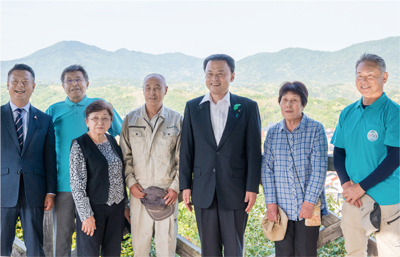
387, 239
143, 226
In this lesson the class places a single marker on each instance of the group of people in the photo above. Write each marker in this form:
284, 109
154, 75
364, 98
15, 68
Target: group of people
69, 158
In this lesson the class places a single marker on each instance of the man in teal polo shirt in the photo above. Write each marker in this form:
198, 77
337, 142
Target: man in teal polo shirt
69, 123
366, 158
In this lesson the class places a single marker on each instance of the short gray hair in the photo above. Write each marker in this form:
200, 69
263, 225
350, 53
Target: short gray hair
161, 77
72, 68
373, 58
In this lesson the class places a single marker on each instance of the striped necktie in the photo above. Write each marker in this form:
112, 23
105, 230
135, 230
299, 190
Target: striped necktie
19, 127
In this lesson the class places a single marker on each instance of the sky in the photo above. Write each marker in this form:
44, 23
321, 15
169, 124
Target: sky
237, 28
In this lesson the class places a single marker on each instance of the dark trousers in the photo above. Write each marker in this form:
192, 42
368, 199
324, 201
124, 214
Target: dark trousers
300, 240
108, 234
219, 227
32, 225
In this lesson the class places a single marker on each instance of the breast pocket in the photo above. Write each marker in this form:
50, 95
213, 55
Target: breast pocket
137, 138
166, 143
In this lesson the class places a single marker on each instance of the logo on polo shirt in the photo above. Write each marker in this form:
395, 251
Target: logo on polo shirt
372, 135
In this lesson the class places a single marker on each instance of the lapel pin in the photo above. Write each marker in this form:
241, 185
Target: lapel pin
35, 117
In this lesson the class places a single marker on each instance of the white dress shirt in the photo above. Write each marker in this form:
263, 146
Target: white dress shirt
218, 113
24, 114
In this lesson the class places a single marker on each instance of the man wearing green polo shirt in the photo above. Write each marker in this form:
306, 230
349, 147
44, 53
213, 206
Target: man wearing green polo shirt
366, 158
69, 123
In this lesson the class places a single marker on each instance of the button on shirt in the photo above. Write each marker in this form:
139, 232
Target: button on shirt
218, 113
24, 114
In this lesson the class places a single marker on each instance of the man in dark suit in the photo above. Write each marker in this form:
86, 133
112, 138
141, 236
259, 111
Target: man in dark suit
220, 160
28, 164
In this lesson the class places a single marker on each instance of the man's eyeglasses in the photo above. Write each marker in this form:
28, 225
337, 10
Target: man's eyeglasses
71, 81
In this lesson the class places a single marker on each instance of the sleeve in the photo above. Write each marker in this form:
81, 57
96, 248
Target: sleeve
392, 128
78, 180
337, 138
116, 124
175, 182
186, 154
267, 171
253, 149
384, 169
50, 159
125, 145
339, 161
319, 166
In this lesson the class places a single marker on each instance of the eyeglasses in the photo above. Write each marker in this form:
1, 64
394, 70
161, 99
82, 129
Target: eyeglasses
71, 81
97, 120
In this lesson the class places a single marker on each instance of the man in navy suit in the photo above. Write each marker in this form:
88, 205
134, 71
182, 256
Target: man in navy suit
28, 164
220, 160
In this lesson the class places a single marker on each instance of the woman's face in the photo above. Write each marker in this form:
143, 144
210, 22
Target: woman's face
98, 122
291, 107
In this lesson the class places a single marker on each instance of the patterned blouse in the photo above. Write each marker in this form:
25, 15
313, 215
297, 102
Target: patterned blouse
78, 172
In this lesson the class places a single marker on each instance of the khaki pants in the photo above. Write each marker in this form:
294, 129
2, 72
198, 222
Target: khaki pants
142, 227
387, 239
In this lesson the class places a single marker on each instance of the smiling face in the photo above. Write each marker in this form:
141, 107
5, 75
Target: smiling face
154, 91
218, 78
370, 81
75, 85
98, 122
20, 86
291, 107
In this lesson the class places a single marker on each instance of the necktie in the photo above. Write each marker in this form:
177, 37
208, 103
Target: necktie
19, 127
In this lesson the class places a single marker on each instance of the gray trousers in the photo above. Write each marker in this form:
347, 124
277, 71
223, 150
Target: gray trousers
63, 223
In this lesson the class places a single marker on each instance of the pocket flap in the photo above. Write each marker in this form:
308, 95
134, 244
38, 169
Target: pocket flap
4, 171
38, 172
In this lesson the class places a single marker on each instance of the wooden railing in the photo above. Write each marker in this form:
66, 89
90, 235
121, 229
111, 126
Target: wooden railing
329, 231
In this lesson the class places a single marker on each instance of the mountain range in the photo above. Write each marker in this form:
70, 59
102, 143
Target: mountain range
315, 68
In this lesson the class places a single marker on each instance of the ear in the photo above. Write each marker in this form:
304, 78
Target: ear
385, 77
232, 77
33, 87
8, 85
87, 122
166, 90
87, 84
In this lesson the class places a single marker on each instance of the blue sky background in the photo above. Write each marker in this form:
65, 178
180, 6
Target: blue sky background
238, 28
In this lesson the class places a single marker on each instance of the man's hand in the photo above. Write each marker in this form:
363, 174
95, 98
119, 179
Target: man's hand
49, 202
127, 215
89, 226
250, 199
272, 212
186, 198
353, 192
170, 197
137, 191
306, 210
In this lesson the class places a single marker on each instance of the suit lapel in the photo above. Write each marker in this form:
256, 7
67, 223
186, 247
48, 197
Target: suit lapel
205, 120
31, 127
232, 120
8, 119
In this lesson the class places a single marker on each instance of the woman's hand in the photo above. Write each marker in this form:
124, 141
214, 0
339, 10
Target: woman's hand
127, 215
89, 226
307, 210
272, 212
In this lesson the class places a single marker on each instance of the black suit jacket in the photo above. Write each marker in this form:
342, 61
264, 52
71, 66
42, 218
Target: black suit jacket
228, 169
36, 161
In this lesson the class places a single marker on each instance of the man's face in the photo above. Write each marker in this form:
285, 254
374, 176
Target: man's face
218, 77
154, 90
370, 80
75, 85
20, 86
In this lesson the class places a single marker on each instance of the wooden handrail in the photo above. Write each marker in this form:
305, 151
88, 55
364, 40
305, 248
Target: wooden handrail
330, 231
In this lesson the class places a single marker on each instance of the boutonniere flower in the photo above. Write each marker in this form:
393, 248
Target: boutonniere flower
235, 108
